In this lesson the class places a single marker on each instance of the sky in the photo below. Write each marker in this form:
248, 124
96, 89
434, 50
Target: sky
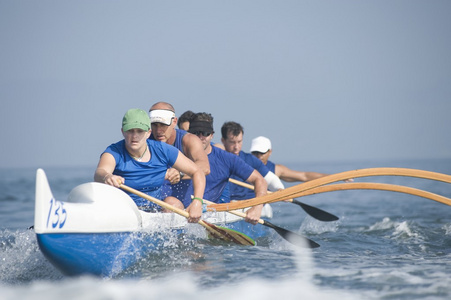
324, 80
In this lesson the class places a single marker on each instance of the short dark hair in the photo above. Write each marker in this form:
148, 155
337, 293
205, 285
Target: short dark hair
201, 123
231, 127
202, 116
185, 117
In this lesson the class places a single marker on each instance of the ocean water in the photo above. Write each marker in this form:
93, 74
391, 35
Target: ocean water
386, 245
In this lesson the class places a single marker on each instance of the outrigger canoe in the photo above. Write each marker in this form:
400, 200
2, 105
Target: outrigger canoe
100, 231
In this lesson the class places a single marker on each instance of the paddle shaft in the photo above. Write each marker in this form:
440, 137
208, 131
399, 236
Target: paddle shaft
236, 213
297, 189
156, 201
215, 231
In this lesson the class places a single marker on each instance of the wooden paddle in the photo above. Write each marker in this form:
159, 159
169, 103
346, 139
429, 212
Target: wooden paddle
293, 191
223, 233
290, 236
315, 212
376, 186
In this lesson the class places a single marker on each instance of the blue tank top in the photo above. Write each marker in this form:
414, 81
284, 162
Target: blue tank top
177, 190
178, 143
223, 165
146, 177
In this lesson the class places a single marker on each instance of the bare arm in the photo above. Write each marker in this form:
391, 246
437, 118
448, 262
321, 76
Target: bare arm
104, 171
289, 175
260, 188
194, 150
188, 167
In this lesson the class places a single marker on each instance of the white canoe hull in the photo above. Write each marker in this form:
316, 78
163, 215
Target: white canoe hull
99, 230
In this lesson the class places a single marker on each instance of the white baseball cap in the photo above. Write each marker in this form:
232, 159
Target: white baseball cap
260, 144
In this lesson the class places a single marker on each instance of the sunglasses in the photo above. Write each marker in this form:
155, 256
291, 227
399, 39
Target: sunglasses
257, 153
203, 133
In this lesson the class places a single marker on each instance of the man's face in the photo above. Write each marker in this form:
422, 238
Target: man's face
233, 143
205, 138
184, 126
162, 132
262, 156
163, 122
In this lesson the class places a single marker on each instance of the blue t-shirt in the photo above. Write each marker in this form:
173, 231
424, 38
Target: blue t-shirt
271, 166
146, 177
242, 193
222, 166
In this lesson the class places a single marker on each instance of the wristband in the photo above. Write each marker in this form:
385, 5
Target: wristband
200, 199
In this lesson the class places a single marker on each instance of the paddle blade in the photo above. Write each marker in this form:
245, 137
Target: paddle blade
316, 213
293, 237
229, 235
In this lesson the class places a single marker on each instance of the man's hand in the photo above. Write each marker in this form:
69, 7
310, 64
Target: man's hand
173, 175
195, 211
253, 214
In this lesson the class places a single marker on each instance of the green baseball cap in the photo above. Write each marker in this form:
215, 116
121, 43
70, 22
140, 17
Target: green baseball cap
136, 118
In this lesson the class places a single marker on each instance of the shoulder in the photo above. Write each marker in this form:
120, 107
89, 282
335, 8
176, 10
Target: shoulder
272, 167
160, 146
219, 145
236, 164
118, 146
190, 140
255, 163
186, 136
224, 154
154, 143
249, 158
271, 164
163, 151
180, 133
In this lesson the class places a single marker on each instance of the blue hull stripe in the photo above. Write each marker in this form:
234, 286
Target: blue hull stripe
108, 254
103, 254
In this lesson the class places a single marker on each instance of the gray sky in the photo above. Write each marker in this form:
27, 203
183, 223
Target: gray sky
324, 80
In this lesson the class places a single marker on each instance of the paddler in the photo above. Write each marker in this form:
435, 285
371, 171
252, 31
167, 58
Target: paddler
163, 124
142, 164
232, 140
183, 120
222, 166
262, 149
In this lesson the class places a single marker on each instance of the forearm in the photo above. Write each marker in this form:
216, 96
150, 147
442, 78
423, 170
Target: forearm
195, 208
296, 176
313, 175
203, 165
100, 174
198, 179
105, 168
